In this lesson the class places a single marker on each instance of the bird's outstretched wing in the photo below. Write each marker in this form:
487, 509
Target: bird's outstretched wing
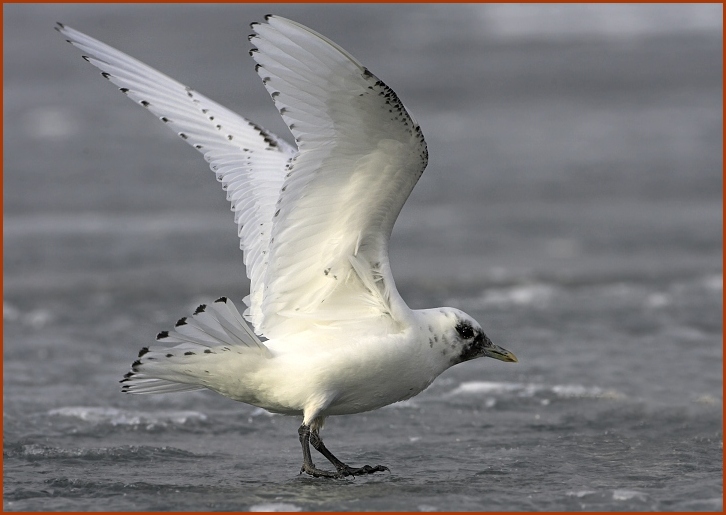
248, 161
359, 156
315, 225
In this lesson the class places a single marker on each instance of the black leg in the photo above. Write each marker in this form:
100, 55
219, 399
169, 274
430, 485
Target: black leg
308, 436
308, 465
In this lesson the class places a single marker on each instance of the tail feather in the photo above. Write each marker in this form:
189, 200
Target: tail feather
179, 364
145, 386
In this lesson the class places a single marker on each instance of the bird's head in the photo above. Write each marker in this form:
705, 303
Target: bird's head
462, 338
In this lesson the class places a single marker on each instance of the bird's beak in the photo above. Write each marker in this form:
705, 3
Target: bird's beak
499, 353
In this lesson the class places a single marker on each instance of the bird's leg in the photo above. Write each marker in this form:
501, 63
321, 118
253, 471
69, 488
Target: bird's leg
308, 465
342, 468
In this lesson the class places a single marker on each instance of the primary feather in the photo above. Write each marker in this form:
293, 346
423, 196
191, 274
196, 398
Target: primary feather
249, 161
359, 156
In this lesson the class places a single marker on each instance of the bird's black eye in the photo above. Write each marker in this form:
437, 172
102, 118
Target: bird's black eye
465, 330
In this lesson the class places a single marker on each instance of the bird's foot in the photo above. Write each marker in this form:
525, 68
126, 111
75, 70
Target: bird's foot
316, 472
343, 471
361, 471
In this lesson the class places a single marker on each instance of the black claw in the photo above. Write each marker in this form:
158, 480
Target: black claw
221, 299
200, 309
143, 351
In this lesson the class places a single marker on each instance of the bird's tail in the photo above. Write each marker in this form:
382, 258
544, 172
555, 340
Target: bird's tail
185, 355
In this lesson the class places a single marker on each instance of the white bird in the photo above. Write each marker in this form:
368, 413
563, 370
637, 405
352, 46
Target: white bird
325, 331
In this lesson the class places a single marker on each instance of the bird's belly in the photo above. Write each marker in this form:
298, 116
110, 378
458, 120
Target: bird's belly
339, 380
366, 386
351, 402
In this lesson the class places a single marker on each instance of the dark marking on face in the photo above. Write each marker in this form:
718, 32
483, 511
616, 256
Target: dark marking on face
475, 347
465, 330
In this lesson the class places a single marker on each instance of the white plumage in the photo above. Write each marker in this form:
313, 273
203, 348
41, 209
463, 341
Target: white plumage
314, 224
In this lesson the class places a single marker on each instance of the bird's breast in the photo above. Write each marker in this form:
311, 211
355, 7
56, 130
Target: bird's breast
363, 376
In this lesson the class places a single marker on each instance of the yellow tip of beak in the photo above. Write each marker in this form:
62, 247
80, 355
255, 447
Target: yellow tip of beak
501, 354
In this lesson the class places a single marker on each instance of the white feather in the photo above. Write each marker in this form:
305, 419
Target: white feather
360, 155
248, 161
